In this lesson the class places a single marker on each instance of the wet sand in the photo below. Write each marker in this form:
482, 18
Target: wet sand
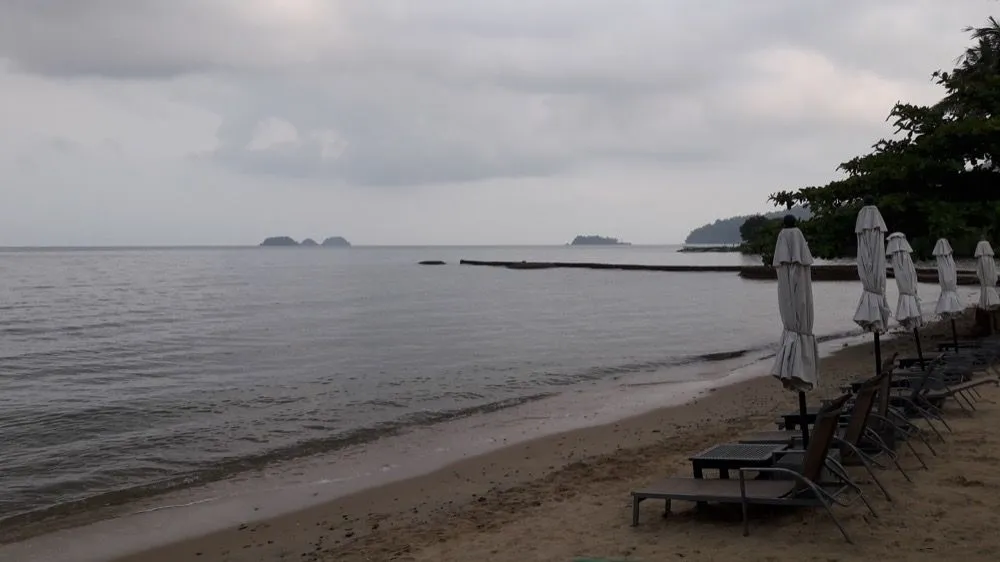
567, 495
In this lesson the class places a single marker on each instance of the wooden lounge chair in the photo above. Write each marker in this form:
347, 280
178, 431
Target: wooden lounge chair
798, 488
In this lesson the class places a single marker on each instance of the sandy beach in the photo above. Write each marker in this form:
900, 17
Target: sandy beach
567, 496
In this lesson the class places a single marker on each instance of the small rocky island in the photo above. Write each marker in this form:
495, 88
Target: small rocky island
594, 240
285, 241
279, 241
336, 242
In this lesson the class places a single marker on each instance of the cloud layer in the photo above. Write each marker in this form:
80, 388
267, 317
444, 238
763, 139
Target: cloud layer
694, 109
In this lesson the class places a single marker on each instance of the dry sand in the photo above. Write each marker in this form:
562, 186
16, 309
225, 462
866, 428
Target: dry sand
567, 496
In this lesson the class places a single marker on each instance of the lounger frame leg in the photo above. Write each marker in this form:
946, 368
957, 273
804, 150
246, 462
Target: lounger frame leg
864, 458
967, 400
635, 510
905, 427
916, 454
884, 448
744, 505
843, 531
927, 416
824, 498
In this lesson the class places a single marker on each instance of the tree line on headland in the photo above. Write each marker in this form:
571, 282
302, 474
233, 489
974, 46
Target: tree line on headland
935, 178
728, 231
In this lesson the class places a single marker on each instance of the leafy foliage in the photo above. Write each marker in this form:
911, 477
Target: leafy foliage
759, 233
750, 229
935, 177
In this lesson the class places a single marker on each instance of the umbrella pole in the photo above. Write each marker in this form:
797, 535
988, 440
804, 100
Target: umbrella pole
920, 352
802, 420
878, 355
954, 334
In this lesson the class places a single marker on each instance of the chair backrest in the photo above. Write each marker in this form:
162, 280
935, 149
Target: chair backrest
889, 364
884, 386
863, 401
827, 421
884, 389
923, 383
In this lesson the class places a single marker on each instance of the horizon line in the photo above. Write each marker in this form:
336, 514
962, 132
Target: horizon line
245, 246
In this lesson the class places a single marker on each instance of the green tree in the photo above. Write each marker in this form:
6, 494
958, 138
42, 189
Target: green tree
751, 227
759, 237
935, 177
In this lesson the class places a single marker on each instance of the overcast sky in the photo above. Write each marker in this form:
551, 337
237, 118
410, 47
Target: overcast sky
440, 121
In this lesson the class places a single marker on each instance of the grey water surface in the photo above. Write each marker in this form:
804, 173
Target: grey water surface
125, 371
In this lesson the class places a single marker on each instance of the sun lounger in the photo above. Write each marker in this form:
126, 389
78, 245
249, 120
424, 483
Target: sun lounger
788, 487
959, 392
866, 392
889, 424
900, 404
858, 445
930, 388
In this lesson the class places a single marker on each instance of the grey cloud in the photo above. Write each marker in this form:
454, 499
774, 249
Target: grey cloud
373, 167
443, 91
415, 132
160, 38
59, 144
140, 38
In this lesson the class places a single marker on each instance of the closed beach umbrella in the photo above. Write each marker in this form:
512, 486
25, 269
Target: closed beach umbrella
796, 361
873, 310
908, 312
949, 305
986, 271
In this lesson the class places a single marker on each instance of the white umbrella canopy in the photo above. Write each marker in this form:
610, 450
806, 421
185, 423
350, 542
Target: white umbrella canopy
948, 304
797, 358
873, 310
908, 312
986, 271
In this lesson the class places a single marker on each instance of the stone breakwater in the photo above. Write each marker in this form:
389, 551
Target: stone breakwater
757, 272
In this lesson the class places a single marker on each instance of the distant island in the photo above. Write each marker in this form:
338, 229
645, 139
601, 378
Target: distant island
336, 242
594, 240
279, 241
727, 231
284, 241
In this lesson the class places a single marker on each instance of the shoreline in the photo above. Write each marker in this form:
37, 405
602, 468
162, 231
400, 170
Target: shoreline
327, 477
349, 524
671, 383
687, 379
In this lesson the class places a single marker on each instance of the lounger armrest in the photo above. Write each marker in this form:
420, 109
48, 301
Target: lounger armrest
880, 443
905, 362
821, 494
861, 455
904, 430
791, 451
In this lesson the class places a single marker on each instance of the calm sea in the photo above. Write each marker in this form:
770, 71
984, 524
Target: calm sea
126, 371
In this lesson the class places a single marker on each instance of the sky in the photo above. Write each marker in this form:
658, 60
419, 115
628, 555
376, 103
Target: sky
185, 122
